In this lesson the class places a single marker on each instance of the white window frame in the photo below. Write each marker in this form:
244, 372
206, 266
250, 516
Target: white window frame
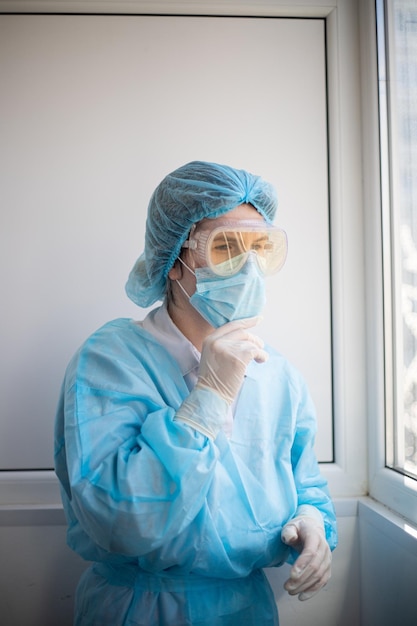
347, 475
394, 490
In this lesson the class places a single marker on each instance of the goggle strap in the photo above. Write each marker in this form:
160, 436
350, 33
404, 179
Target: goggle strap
191, 244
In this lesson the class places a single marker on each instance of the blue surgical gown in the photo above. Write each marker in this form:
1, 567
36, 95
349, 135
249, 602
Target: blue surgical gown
179, 527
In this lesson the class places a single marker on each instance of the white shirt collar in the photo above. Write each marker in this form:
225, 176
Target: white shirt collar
159, 324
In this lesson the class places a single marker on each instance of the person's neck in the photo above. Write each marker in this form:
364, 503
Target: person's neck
189, 321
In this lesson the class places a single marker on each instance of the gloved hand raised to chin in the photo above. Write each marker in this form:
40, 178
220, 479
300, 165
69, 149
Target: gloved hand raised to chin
226, 353
312, 569
225, 356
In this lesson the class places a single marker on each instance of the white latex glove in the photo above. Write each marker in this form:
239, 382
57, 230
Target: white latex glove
225, 355
312, 569
224, 358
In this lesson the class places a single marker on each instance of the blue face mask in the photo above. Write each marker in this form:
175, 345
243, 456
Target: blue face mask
222, 300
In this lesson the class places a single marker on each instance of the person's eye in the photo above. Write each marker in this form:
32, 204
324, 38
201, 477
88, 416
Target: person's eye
228, 246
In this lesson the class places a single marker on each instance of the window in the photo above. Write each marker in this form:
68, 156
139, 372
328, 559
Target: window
397, 69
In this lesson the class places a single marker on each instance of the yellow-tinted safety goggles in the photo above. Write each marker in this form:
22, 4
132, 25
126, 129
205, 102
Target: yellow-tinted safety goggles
225, 249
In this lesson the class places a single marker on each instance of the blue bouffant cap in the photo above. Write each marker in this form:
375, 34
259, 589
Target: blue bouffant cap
191, 193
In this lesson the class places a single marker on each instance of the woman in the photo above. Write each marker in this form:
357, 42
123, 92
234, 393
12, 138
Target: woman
184, 446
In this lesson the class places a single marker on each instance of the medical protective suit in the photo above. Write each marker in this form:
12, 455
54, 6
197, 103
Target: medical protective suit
179, 525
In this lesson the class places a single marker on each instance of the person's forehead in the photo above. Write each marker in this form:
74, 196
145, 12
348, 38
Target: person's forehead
241, 213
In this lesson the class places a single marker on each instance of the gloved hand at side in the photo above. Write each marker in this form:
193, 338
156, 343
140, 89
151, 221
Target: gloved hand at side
224, 358
312, 569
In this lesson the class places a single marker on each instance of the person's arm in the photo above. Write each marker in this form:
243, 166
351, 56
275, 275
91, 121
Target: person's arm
312, 532
136, 478
139, 470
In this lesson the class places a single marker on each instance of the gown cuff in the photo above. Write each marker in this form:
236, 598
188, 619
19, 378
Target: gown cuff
204, 410
310, 511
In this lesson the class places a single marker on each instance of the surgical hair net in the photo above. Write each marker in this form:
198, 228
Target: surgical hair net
191, 193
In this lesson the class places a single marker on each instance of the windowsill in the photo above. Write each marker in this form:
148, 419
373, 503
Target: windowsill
387, 521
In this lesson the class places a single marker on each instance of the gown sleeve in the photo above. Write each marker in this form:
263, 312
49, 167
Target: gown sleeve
312, 488
134, 476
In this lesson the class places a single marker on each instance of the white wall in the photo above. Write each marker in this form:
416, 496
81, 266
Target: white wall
39, 573
388, 563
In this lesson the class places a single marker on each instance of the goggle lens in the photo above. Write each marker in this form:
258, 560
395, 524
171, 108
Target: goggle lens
225, 249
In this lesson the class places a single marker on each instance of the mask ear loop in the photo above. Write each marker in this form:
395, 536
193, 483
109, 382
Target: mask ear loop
185, 265
178, 282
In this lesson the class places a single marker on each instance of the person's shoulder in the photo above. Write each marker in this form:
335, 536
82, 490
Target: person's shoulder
116, 339
117, 331
115, 353
282, 365
109, 333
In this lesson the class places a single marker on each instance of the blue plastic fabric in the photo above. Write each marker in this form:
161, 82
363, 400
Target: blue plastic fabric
192, 192
169, 515
144, 600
